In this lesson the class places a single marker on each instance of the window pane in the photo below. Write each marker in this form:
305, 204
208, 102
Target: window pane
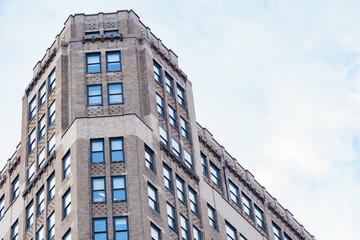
120, 224
113, 57
114, 66
93, 68
98, 184
91, 59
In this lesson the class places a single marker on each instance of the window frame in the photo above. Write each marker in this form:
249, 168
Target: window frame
51, 187
52, 81
197, 233
92, 96
164, 140
67, 235
127, 226
193, 201
154, 202
212, 218
41, 164
180, 95
111, 140
66, 211
169, 81
176, 147
230, 227
121, 94
123, 189
30, 172
204, 163
278, 229
108, 62
29, 214
184, 227
40, 202
93, 33
168, 182
156, 230
32, 108
38, 232
215, 178
52, 114
109, 32
184, 128
51, 145
42, 94
66, 163
15, 188
93, 190
92, 152
180, 192
157, 76
160, 105
172, 116
31, 141
234, 194
188, 159
149, 158
259, 217
245, 202
98, 54
41, 127
51, 228
99, 232
2, 205
171, 216
15, 230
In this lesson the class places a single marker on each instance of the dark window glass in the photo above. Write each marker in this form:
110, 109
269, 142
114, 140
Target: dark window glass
41, 126
211, 215
234, 192
247, 205
260, 217
66, 204
67, 235
51, 187
116, 148
180, 189
15, 231
203, 163
169, 84
163, 135
15, 188
160, 105
197, 233
113, 61
66, 165
100, 229
184, 227
188, 160
184, 128
98, 189
157, 72
2, 205
193, 200
32, 141
94, 95
172, 116
93, 62
181, 95
171, 216
51, 226
121, 228
152, 196
167, 177
51, 144
31, 172
29, 215
42, 94
40, 200
287, 237
118, 188
111, 31
115, 93
92, 33
32, 108
52, 113
149, 161
277, 232
40, 234
230, 231
176, 147
215, 176
155, 232
52, 81
97, 150
41, 158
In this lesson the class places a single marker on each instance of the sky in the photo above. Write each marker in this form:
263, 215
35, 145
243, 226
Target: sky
276, 82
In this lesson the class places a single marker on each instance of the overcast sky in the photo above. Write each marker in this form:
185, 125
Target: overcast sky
276, 82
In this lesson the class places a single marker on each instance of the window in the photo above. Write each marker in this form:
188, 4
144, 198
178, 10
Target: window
277, 232
41, 127
242, 237
111, 32
184, 227
211, 215
197, 233
115, 93
51, 226
32, 108
260, 217
169, 83
113, 61
67, 235
149, 161
203, 163
29, 214
14, 231
167, 177
230, 231
66, 203
287, 237
32, 141
52, 81
160, 105
184, 128
92, 33
116, 149
31, 172
181, 95
155, 232
97, 150
176, 148
94, 95
66, 165
118, 188
247, 205
193, 200
215, 176
51, 187
100, 229
172, 116
180, 189
42, 94
52, 113
171, 216
234, 192
163, 135
15, 188
41, 158
98, 189
121, 228
2, 205
40, 198
152, 195
188, 160
51, 144
40, 234
93, 63
157, 72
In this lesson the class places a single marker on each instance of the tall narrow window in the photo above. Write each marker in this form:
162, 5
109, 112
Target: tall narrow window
2, 205
169, 83
14, 231
176, 147
42, 94
66, 203
234, 192
149, 161
31, 172
93, 63
203, 163
184, 128
287, 237
167, 177
163, 136
113, 61
51, 226
184, 227
40, 198
41, 126
52, 81
40, 234
152, 195
97, 150
32, 108
121, 228
160, 105
188, 160
32, 141
197, 233
211, 215
172, 116
67, 235
193, 200
171, 216
118, 188
181, 95
180, 189
215, 176
52, 113
15, 188
51, 186
29, 214
260, 217
230, 232
100, 229
247, 205
277, 232
41, 158
94, 95
157, 72
51, 144
66, 165
98, 189
116, 148
155, 232
115, 93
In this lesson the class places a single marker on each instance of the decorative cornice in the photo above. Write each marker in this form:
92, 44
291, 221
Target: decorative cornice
13, 165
